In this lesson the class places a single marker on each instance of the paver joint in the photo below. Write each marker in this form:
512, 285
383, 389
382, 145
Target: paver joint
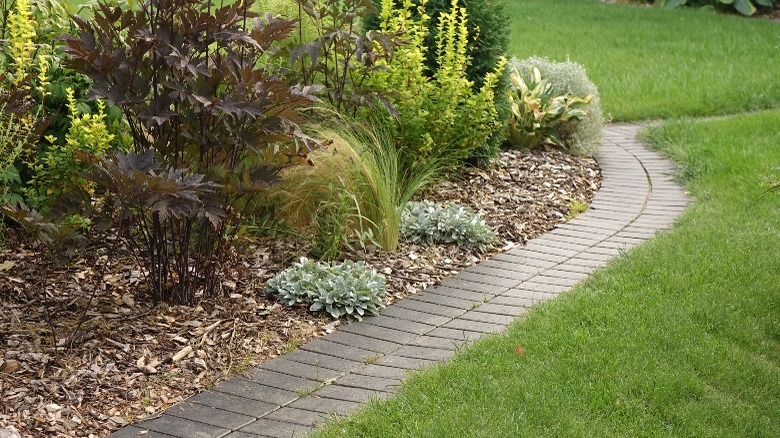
333, 375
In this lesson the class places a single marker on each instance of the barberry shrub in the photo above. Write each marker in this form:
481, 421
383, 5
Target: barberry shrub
441, 116
211, 127
488, 37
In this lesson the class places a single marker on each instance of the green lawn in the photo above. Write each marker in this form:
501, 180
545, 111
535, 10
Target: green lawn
680, 337
656, 63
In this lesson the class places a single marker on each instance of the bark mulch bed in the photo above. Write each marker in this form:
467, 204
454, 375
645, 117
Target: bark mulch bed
130, 358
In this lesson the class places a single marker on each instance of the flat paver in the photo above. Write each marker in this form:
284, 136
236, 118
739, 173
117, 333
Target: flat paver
332, 375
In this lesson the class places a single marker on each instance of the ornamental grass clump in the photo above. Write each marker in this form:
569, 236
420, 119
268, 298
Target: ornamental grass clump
429, 222
348, 289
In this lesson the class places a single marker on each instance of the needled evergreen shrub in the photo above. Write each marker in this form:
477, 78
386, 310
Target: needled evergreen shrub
579, 135
488, 37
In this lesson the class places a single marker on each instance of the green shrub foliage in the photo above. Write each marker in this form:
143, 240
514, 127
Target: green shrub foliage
441, 116
210, 128
348, 289
579, 134
488, 36
426, 221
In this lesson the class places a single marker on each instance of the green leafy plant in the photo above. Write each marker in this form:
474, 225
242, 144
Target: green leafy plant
488, 21
426, 221
581, 136
537, 110
441, 116
20, 126
210, 127
744, 7
348, 289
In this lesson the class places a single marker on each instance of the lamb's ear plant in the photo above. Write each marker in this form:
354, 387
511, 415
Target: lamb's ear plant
429, 222
349, 289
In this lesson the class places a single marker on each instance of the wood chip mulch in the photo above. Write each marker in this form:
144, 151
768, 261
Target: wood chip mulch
131, 358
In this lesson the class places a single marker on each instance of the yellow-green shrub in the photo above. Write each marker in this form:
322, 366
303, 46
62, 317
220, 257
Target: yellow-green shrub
439, 116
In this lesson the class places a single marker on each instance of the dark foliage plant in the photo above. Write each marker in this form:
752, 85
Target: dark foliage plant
210, 126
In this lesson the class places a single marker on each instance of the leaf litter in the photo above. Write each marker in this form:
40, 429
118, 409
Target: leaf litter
84, 356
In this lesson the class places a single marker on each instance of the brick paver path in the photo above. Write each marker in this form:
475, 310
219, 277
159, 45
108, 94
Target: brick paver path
334, 374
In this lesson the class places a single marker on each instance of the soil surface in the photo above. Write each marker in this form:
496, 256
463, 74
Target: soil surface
83, 352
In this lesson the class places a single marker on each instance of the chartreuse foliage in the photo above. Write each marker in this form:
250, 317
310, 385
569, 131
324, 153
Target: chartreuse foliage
348, 289
441, 116
679, 337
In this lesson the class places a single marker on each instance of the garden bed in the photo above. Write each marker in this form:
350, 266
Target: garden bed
130, 358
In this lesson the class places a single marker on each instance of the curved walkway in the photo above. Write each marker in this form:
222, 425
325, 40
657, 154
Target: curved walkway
334, 374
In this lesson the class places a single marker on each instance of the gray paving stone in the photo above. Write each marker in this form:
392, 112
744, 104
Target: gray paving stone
378, 332
511, 265
473, 297
529, 295
364, 342
209, 415
472, 286
503, 273
275, 429
325, 347
573, 276
531, 254
521, 259
233, 403
370, 382
501, 308
277, 380
385, 372
338, 392
297, 416
247, 389
543, 287
322, 360
434, 342
394, 323
456, 334
500, 282
511, 302
489, 318
415, 316
325, 405
434, 309
182, 428
284, 366
406, 363
474, 326
443, 300
426, 353
552, 280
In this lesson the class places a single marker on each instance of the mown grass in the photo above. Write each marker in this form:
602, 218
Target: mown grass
653, 62
680, 337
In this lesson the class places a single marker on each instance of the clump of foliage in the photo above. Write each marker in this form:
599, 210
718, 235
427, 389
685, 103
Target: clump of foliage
488, 37
580, 136
210, 127
744, 7
537, 110
441, 116
338, 53
426, 221
348, 289
20, 126
354, 191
